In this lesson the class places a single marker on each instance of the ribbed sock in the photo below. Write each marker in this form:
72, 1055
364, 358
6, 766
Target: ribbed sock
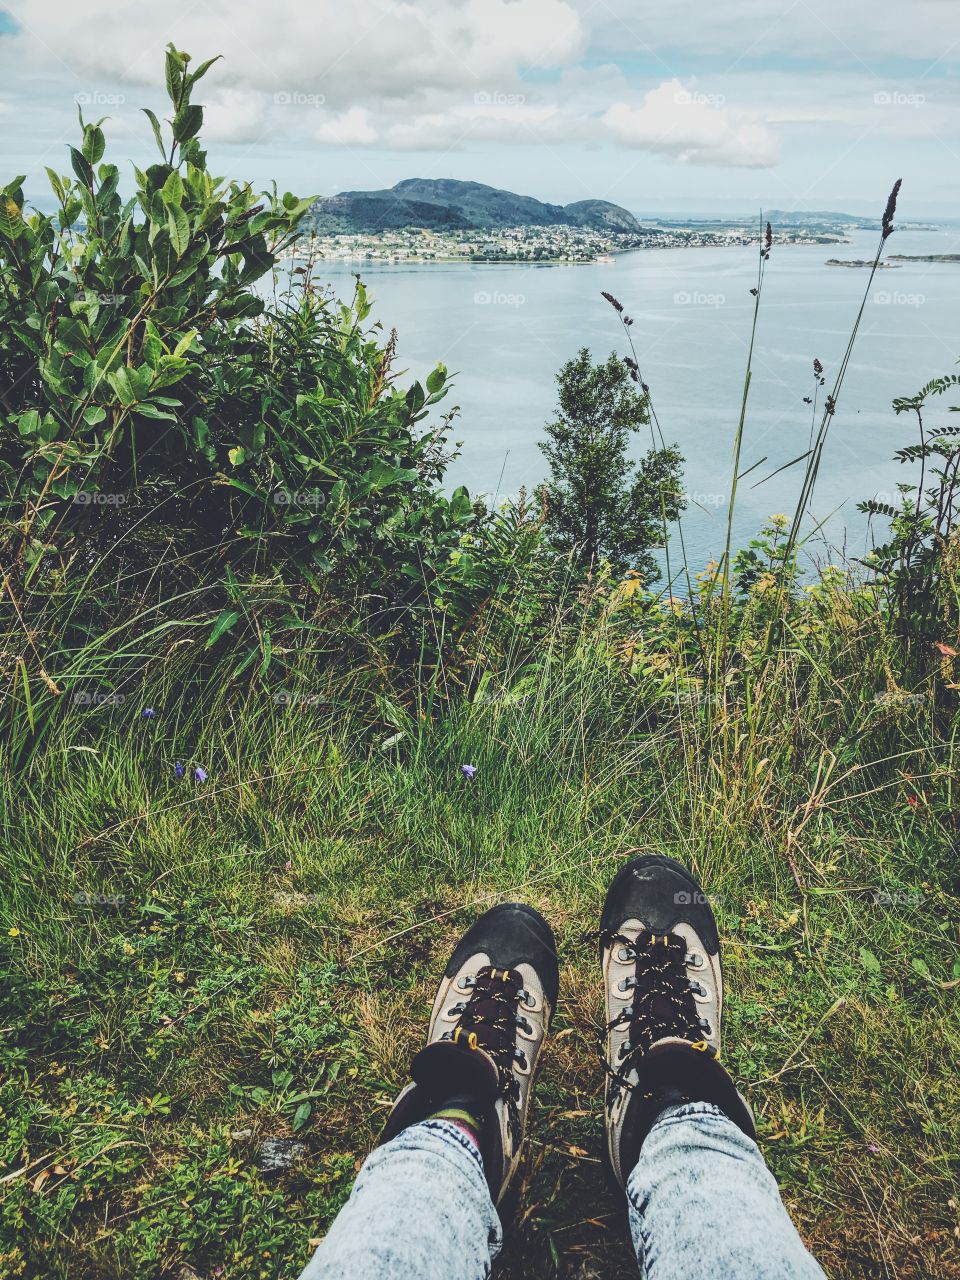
460, 1112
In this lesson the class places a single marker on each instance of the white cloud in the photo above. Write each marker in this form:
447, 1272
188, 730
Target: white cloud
351, 129
531, 94
339, 50
852, 35
234, 115
693, 128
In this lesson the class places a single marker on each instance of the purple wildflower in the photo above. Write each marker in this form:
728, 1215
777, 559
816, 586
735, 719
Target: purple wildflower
200, 774
179, 770
468, 770
147, 713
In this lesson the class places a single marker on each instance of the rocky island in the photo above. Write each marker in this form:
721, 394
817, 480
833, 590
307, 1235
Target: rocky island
443, 219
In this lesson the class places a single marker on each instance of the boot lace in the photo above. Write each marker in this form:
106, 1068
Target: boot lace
489, 1020
663, 1000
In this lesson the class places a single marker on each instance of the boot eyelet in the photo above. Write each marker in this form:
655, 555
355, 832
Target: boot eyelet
529, 1000
699, 990
466, 983
626, 954
626, 984
525, 1028
521, 1061
693, 959
704, 1022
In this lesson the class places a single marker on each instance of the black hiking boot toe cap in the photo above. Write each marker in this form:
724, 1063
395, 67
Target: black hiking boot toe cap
512, 934
661, 894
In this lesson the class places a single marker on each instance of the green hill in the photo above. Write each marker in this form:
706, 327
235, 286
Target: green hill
443, 204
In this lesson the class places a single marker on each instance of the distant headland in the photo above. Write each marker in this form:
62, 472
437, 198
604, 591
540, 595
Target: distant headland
445, 204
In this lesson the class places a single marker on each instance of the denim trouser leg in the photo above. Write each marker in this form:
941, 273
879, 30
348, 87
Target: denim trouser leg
703, 1204
420, 1209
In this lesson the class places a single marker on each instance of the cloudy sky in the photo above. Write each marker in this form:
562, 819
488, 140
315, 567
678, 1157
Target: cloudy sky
804, 104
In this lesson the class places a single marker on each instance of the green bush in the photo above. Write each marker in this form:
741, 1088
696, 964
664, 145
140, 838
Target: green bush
148, 385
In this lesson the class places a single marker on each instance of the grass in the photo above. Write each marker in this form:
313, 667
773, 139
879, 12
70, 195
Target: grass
195, 968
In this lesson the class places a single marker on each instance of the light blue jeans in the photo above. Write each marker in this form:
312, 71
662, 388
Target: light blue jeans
702, 1204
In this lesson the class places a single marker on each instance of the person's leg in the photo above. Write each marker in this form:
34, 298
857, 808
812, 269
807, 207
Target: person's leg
423, 1206
703, 1203
680, 1138
420, 1207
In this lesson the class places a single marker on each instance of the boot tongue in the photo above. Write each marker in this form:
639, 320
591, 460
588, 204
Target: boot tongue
444, 1070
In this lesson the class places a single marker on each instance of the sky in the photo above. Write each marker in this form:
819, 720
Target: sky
713, 109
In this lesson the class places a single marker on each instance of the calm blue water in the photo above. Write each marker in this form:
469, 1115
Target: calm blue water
505, 331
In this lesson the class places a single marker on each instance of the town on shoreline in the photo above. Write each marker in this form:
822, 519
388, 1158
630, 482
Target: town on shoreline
545, 244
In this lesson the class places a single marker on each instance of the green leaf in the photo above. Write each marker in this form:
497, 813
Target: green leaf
920, 966
174, 74
28, 424
301, 1115
237, 455
81, 167
187, 123
229, 618
11, 219
869, 961
172, 191
185, 343
202, 70
147, 410
123, 385
57, 183
94, 144
437, 379
178, 225
157, 133
94, 414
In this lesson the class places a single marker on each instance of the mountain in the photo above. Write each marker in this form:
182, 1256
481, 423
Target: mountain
814, 217
444, 204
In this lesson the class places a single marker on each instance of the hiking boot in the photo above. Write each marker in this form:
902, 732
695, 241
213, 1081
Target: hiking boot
487, 1028
663, 991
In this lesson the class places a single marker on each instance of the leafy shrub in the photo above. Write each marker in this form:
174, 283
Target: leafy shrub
919, 564
142, 370
595, 509
168, 424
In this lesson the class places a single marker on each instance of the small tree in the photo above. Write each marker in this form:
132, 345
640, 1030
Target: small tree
598, 507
